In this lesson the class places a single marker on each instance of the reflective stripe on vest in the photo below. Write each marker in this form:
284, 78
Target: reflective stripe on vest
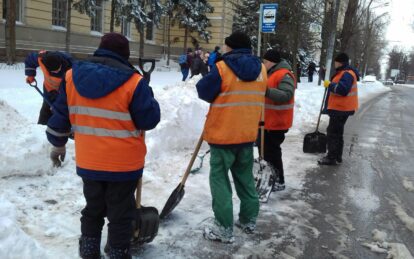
106, 138
125, 116
344, 103
235, 113
100, 132
51, 83
279, 116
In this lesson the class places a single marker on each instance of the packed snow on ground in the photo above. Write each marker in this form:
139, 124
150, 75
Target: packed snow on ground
40, 205
408, 185
393, 250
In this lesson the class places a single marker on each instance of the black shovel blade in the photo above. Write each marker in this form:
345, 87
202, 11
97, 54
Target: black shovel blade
172, 202
145, 225
314, 143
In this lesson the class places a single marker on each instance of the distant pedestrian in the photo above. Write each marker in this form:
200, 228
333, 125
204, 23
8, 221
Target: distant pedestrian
198, 66
311, 70
322, 73
185, 60
298, 71
341, 102
214, 57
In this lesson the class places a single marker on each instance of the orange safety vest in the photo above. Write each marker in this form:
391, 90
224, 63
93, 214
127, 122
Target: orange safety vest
279, 115
235, 113
344, 103
106, 138
51, 83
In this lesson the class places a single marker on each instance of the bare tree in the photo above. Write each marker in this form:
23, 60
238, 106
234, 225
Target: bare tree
349, 26
10, 31
68, 25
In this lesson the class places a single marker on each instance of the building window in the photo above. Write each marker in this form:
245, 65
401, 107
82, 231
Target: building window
59, 12
126, 28
97, 19
149, 33
19, 10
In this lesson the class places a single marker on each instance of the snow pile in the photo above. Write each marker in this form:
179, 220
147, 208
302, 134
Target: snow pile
23, 145
183, 116
393, 250
14, 242
163, 67
402, 214
408, 185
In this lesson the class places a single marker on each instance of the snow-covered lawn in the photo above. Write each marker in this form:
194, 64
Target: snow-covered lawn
40, 205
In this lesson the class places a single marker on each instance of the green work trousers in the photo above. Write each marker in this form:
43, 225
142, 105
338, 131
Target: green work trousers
240, 162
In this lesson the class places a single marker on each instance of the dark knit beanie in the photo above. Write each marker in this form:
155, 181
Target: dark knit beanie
217, 48
115, 42
52, 61
238, 40
272, 55
342, 58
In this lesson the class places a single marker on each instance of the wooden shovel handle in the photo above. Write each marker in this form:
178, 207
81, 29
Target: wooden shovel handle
138, 193
261, 155
193, 157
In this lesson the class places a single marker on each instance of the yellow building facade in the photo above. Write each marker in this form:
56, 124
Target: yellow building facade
41, 24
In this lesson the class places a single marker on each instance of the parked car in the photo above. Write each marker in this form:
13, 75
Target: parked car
369, 79
388, 82
400, 82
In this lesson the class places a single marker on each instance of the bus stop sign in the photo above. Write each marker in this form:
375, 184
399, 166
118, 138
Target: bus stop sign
268, 17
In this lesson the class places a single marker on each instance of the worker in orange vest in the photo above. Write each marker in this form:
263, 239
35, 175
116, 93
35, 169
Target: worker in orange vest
340, 103
235, 87
108, 105
280, 101
54, 65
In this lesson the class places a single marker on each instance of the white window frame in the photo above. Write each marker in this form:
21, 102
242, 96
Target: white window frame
102, 12
126, 26
65, 10
19, 14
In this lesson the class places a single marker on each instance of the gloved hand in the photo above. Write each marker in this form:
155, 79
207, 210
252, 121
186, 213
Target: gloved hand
57, 155
326, 83
30, 79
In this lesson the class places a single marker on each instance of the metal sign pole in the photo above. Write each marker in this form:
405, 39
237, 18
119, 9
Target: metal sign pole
259, 37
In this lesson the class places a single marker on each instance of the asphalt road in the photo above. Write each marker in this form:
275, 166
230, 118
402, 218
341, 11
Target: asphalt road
366, 192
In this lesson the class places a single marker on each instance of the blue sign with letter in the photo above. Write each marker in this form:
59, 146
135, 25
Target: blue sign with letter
268, 16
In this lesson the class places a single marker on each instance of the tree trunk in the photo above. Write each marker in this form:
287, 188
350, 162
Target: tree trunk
169, 41
348, 27
325, 33
68, 27
298, 12
332, 36
185, 39
141, 40
112, 21
10, 31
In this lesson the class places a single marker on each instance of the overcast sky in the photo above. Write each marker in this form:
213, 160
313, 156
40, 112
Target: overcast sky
401, 17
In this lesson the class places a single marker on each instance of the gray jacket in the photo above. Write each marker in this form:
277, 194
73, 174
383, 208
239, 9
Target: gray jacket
286, 89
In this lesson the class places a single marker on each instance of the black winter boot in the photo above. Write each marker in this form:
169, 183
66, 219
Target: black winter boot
327, 161
118, 253
89, 247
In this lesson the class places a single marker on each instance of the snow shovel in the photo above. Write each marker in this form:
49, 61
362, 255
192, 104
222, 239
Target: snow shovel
146, 74
200, 163
34, 85
264, 174
146, 221
145, 225
177, 195
315, 142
